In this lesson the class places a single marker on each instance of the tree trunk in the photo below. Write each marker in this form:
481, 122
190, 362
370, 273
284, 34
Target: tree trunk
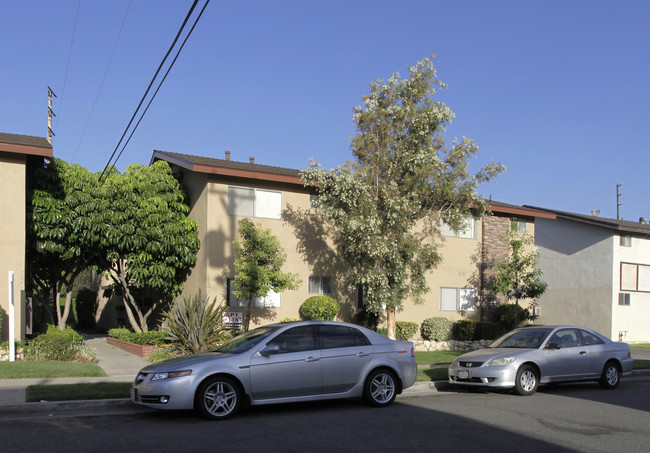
247, 318
63, 318
390, 322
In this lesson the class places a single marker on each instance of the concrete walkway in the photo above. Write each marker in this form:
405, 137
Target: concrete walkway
119, 365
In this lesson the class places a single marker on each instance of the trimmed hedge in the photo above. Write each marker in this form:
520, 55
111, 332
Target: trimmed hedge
463, 330
154, 337
405, 330
319, 308
436, 329
487, 330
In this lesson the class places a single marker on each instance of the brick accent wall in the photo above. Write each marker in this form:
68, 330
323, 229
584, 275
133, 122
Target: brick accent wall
494, 228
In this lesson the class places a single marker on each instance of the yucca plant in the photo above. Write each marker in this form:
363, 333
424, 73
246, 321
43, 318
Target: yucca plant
195, 325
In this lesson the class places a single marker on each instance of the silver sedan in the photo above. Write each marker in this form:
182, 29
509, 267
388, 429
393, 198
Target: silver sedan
281, 363
524, 358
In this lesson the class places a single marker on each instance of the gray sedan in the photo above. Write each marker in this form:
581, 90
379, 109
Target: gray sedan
524, 358
281, 363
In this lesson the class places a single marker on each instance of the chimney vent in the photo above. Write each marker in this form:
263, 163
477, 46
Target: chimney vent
227, 155
251, 160
643, 221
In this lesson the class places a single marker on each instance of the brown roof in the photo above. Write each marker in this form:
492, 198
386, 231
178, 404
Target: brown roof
624, 226
25, 144
229, 167
522, 211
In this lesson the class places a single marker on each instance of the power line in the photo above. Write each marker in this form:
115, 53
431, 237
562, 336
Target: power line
101, 85
189, 14
67, 67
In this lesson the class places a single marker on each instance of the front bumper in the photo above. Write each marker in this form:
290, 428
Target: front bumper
492, 376
174, 394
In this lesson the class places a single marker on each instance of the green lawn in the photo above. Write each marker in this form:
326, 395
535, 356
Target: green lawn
28, 369
435, 357
641, 345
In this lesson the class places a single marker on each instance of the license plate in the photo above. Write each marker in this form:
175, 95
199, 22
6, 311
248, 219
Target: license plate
134, 394
463, 374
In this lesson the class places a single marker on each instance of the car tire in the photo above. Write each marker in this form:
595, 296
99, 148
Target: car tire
380, 388
526, 381
218, 398
610, 376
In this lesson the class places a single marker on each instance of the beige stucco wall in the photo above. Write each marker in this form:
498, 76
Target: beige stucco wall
309, 253
12, 237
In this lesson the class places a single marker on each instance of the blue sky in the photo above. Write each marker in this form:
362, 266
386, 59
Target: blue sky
558, 91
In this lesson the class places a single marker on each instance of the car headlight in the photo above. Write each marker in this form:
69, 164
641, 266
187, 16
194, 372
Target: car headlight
170, 374
501, 361
455, 362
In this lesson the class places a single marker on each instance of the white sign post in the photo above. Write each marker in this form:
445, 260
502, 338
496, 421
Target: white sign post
12, 341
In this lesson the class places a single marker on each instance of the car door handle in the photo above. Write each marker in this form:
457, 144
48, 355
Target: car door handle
363, 354
583, 352
312, 359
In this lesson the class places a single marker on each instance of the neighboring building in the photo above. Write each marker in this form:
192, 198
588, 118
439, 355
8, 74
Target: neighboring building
14, 153
222, 191
598, 274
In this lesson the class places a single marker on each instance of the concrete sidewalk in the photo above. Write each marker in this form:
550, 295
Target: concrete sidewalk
119, 365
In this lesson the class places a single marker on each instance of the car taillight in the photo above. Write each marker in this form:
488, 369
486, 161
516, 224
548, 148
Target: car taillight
413, 351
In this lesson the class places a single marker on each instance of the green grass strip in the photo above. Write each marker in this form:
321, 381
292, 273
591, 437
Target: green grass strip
31, 369
76, 392
436, 357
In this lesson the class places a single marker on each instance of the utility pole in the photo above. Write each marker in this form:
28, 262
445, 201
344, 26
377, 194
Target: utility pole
50, 114
618, 202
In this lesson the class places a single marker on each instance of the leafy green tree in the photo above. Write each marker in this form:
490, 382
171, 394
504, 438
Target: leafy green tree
60, 208
146, 240
259, 258
386, 205
516, 276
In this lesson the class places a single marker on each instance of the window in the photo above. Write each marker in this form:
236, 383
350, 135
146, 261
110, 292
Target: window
588, 338
272, 299
626, 240
624, 298
518, 226
341, 337
457, 299
312, 199
320, 285
468, 231
635, 277
247, 202
567, 338
297, 339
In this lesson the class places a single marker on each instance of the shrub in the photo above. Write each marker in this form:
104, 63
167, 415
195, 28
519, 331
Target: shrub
436, 329
319, 308
405, 329
55, 345
161, 354
463, 330
383, 331
366, 318
283, 320
487, 330
505, 314
152, 338
195, 325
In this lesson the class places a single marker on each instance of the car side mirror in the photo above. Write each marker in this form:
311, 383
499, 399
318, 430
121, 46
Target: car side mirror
269, 349
553, 346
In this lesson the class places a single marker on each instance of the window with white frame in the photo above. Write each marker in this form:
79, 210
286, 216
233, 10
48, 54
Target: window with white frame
249, 202
625, 240
467, 231
457, 299
635, 277
320, 285
518, 226
272, 299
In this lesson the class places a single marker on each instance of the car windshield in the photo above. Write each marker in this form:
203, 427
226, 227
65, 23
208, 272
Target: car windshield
524, 338
246, 340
